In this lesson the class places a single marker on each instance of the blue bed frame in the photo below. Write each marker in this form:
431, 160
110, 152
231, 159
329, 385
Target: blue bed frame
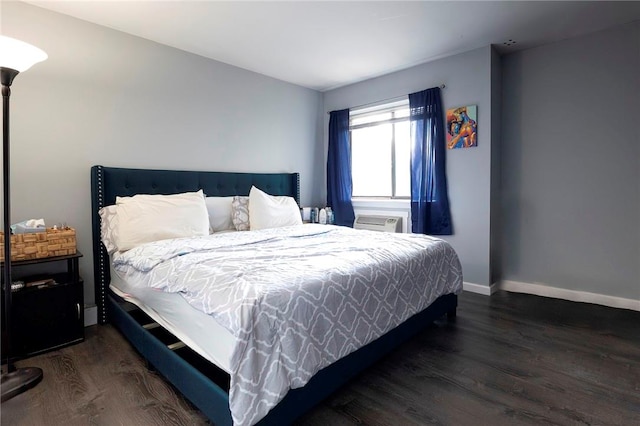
199, 381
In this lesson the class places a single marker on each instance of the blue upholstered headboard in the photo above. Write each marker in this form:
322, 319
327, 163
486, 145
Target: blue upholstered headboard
109, 182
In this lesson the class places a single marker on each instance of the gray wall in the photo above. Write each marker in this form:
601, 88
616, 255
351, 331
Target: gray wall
468, 82
571, 164
105, 97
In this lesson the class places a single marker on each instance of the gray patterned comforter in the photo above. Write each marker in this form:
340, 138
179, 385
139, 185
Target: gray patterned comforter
297, 298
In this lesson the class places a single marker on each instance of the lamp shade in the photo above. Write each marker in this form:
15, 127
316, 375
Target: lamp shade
18, 55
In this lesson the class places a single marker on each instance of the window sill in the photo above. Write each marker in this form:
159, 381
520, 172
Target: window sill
381, 202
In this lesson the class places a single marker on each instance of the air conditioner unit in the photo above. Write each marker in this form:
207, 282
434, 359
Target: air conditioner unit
378, 223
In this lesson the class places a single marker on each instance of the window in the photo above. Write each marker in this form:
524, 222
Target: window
380, 150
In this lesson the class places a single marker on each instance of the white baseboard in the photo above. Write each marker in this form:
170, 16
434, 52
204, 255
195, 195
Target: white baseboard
90, 315
573, 295
478, 288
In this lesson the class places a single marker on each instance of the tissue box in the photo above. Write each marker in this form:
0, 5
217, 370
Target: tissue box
52, 242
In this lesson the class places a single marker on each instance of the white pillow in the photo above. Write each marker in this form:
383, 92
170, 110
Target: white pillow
109, 228
219, 209
267, 211
146, 218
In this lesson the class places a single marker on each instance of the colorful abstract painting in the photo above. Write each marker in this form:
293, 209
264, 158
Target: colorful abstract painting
462, 127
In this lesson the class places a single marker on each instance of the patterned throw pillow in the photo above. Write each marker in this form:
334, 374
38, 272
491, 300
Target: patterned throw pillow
240, 212
109, 228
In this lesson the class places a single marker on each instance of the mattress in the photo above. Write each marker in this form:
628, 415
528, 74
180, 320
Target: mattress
194, 328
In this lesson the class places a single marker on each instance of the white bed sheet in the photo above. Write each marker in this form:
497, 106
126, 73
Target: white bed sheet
199, 331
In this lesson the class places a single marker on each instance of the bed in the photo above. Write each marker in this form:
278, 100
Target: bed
178, 356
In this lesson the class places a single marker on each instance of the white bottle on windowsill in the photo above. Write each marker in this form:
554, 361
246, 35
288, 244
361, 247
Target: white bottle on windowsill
322, 217
330, 218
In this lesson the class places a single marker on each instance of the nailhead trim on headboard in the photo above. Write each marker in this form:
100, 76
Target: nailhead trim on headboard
102, 279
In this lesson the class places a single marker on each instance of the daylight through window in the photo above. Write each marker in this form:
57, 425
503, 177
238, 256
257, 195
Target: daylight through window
380, 150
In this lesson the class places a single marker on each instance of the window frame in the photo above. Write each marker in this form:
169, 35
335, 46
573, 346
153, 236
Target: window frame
392, 107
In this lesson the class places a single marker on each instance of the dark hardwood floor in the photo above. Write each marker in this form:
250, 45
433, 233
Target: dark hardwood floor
508, 359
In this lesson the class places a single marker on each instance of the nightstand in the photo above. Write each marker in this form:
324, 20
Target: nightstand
50, 315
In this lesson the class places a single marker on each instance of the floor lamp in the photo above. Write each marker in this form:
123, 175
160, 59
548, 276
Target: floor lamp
15, 56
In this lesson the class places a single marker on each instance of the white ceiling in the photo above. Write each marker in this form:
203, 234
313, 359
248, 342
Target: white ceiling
328, 44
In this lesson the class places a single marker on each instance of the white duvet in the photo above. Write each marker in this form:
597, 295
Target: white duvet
296, 298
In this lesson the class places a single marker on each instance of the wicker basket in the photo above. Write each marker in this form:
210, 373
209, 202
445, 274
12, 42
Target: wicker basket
52, 242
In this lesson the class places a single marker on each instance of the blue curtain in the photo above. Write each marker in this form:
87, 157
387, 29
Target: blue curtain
339, 183
429, 200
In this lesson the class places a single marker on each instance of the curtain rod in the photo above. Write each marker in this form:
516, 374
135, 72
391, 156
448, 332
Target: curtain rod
384, 101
